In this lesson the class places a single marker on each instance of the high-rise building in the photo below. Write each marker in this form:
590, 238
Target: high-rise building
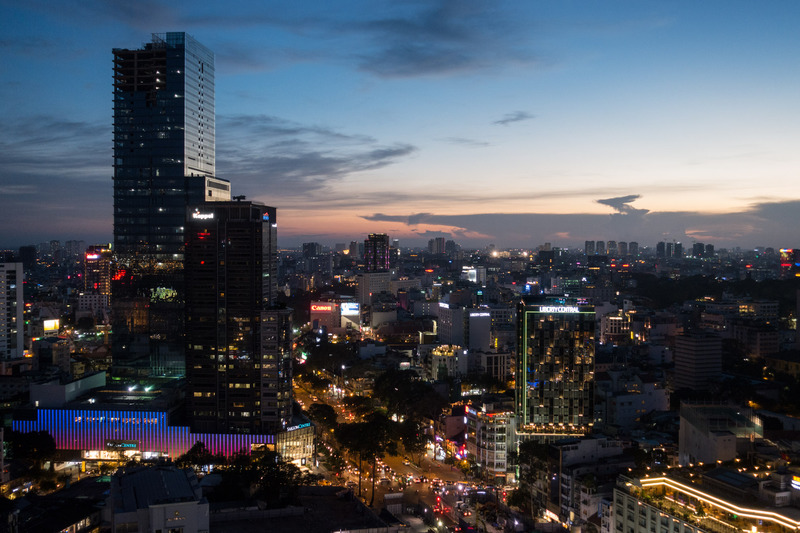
163, 162
600, 248
555, 368
312, 249
436, 246
633, 248
12, 340
238, 343
376, 253
623, 248
698, 360
588, 247
97, 270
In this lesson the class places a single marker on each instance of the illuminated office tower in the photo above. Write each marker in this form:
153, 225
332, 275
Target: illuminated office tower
376, 253
97, 270
12, 339
238, 344
555, 368
163, 162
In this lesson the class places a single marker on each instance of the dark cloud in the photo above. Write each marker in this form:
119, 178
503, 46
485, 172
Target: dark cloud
762, 224
56, 180
621, 204
442, 38
258, 152
386, 39
411, 220
516, 116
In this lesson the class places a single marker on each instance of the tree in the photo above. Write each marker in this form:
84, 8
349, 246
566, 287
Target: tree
279, 481
407, 396
379, 437
412, 436
199, 456
360, 405
349, 438
371, 439
32, 449
324, 414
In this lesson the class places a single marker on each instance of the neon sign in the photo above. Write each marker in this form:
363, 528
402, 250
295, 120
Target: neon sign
321, 307
202, 216
558, 309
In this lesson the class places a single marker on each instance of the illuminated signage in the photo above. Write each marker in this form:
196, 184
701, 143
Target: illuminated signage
349, 308
480, 314
444, 305
299, 426
265, 216
51, 325
122, 444
558, 309
796, 482
92, 257
202, 216
322, 307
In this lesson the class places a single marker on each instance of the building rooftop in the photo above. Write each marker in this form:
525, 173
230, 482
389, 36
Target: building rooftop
142, 487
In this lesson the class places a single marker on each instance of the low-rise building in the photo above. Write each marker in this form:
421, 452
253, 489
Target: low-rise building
157, 499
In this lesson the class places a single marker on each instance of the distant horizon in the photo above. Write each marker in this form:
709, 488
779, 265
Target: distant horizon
420, 245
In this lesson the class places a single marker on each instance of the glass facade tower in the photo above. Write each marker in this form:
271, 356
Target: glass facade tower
238, 344
163, 162
555, 368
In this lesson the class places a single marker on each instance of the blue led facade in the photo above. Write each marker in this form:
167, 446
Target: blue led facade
84, 429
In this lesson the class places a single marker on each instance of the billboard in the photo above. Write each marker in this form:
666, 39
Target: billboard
321, 307
350, 309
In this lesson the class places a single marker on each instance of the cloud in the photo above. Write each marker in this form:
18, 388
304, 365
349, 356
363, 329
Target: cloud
411, 220
761, 224
295, 159
621, 204
466, 142
56, 180
442, 38
516, 116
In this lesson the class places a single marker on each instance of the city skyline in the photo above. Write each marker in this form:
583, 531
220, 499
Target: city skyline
482, 122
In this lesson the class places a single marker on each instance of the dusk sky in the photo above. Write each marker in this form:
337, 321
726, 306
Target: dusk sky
513, 123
